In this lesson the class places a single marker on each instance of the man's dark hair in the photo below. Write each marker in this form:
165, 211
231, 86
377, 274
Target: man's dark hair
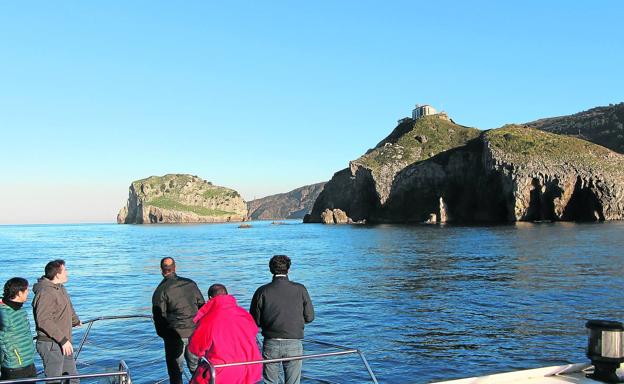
216, 290
53, 268
14, 286
167, 267
279, 264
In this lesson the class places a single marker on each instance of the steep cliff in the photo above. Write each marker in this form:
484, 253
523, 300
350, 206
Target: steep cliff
601, 125
177, 198
508, 174
291, 205
363, 189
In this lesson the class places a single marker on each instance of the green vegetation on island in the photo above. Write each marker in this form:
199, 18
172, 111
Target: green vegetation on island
181, 198
522, 145
417, 140
175, 189
166, 203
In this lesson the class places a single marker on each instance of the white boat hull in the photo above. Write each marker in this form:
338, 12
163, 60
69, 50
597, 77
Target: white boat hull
570, 373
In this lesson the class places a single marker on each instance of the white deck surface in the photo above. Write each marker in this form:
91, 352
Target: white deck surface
571, 373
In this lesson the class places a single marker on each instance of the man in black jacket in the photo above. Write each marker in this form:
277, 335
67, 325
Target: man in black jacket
174, 305
281, 308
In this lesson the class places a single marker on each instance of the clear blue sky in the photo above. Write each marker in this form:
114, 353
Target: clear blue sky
264, 97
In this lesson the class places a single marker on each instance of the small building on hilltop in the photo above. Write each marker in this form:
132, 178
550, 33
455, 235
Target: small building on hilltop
423, 110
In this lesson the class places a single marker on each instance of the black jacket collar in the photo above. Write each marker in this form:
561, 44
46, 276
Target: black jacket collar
171, 276
12, 304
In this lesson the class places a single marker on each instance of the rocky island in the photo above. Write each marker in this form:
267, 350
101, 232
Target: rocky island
180, 198
430, 169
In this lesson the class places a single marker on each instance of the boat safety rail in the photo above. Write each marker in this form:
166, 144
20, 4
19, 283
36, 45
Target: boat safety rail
90, 323
345, 351
122, 374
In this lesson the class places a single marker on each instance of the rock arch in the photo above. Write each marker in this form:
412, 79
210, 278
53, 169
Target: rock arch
584, 204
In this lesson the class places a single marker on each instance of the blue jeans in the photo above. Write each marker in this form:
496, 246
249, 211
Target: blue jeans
176, 351
278, 348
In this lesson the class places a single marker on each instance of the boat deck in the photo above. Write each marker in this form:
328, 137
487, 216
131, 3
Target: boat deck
571, 373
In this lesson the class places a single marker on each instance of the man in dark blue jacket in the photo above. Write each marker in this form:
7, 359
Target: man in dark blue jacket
282, 308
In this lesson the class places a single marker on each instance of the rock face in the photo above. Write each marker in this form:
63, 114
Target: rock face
601, 125
291, 205
176, 198
460, 174
334, 216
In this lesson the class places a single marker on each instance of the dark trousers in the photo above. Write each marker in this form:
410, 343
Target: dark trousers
18, 373
54, 362
176, 351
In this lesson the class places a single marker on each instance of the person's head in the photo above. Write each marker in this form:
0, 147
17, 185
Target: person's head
279, 264
167, 266
56, 272
216, 290
16, 289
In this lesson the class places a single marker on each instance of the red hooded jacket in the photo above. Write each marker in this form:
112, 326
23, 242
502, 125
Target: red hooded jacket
225, 333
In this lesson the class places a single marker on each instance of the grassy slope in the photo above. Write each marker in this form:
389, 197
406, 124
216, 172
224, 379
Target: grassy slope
517, 143
441, 135
171, 186
524, 145
166, 203
600, 125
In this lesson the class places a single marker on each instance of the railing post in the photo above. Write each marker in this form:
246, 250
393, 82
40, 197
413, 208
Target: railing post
368, 368
125, 379
213, 373
84, 338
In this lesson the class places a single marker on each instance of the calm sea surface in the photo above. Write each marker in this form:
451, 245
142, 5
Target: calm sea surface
424, 303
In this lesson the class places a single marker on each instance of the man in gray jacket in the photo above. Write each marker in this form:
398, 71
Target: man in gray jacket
54, 318
175, 303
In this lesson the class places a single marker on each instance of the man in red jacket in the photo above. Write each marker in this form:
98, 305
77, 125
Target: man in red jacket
225, 333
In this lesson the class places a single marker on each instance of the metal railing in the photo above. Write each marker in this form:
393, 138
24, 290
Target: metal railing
92, 321
123, 374
345, 351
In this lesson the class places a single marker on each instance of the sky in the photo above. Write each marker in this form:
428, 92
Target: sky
265, 97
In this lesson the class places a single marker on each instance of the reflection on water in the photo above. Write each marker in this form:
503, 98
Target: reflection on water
422, 302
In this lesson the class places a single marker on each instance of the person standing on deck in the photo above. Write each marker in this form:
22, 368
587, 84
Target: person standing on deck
225, 333
17, 352
54, 318
281, 308
175, 303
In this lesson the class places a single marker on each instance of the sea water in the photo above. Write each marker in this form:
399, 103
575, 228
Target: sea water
423, 303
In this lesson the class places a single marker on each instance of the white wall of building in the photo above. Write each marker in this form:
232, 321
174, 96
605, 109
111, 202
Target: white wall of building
423, 110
